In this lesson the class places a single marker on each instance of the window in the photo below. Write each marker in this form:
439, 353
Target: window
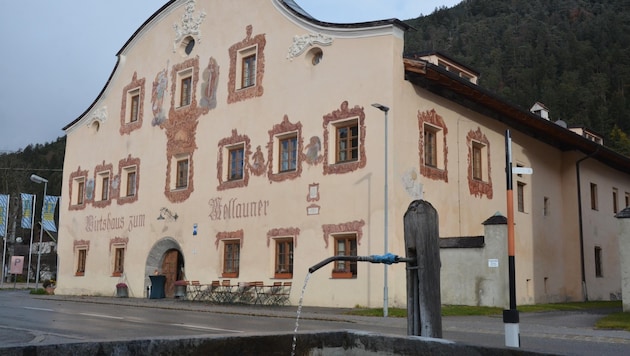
247, 67
102, 186
520, 193
81, 257
347, 142
546, 210
433, 149
182, 174
131, 181
627, 200
235, 163
135, 105
594, 196
231, 256
430, 146
105, 188
80, 191
284, 258
477, 165
615, 195
131, 112
598, 262
345, 245
184, 88
288, 154
119, 261
185, 95
248, 75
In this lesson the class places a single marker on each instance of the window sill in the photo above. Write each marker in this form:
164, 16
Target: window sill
283, 275
229, 275
79, 274
117, 274
342, 275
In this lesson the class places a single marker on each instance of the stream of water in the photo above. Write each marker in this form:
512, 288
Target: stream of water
299, 311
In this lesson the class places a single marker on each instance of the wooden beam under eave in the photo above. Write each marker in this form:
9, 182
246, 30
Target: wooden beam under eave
415, 66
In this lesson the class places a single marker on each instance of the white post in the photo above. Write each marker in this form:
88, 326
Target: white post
385, 110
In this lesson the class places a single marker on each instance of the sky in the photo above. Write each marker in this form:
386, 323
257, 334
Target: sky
56, 56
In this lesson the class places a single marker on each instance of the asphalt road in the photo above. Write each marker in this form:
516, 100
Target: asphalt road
26, 320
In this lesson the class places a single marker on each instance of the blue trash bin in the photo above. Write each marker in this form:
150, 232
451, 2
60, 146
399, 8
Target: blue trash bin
157, 287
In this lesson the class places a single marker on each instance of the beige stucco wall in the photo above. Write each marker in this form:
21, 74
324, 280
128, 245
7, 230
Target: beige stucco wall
361, 66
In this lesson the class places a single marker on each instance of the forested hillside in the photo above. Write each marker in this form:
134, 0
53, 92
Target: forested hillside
45, 160
571, 55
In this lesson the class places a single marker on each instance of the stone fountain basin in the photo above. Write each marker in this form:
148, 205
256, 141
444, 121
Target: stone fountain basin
348, 342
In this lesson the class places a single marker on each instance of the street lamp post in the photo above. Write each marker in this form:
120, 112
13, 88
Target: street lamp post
37, 179
385, 110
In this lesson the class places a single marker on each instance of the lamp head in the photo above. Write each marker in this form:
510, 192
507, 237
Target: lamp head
381, 107
37, 179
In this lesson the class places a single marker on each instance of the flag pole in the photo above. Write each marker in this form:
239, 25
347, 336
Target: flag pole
5, 218
30, 244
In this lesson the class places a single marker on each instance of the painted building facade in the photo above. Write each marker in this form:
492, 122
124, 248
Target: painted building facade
238, 140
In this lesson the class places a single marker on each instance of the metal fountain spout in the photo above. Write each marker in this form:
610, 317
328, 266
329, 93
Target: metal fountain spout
387, 258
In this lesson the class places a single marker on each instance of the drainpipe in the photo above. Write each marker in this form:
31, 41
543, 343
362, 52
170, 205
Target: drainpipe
579, 191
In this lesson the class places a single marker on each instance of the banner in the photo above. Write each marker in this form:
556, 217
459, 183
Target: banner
17, 264
27, 211
48, 213
4, 213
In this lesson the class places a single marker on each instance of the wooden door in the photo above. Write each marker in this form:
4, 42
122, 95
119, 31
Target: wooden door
169, 269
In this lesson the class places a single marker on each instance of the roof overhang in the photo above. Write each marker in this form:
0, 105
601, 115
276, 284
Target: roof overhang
471, 96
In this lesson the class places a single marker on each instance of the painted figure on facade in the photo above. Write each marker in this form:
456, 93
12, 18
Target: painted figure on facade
157, 97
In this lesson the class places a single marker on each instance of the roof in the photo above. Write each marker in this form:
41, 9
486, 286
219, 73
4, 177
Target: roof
291, 5
467, 94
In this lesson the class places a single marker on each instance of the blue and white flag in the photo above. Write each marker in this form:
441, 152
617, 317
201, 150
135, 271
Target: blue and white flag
27, 210
4, 213
48, 213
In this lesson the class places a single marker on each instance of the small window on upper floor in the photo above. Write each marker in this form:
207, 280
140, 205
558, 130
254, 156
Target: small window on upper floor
181, 179
236, 156
347, 141
615, 200
288, 153
134, 107
131, 181
432, 148
78, 195
102, 186
248, 75
184, 88
594, 203
477, 160
431, 145
247, 67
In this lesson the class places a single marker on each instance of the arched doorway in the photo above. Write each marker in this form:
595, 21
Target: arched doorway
166, 257
173, 269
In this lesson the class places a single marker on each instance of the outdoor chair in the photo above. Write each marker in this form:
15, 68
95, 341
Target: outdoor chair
195, 290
